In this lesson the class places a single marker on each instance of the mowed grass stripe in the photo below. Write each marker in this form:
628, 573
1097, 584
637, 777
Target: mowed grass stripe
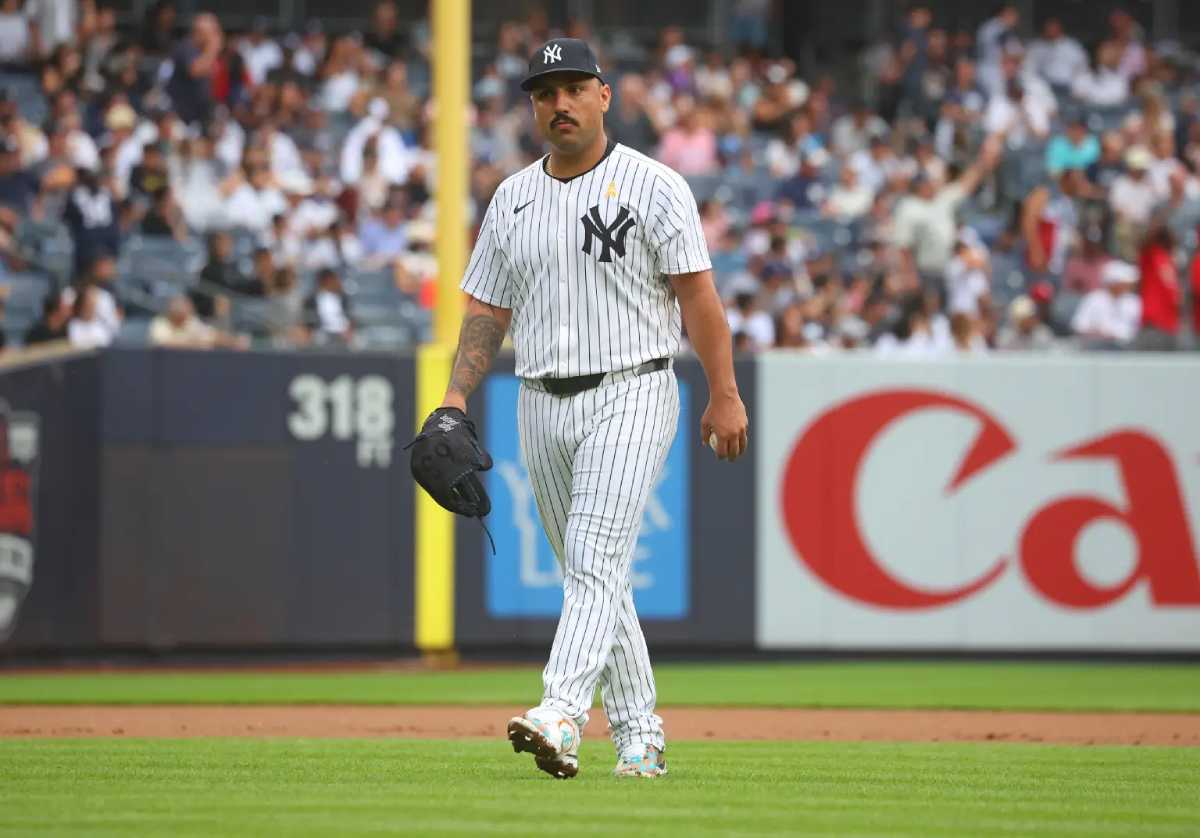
307, 787
1013, 686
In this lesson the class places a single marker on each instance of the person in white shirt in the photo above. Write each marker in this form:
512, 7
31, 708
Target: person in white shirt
1106, 86
925, 223
1165, 166
877, 165
1020, 116
848, 200
252, 199
180, 328
86, 330
1056, 57
853, 132
996, 37
745, 317
260, 53
395, 158
328, 312
1133, 198
967, 282
1108, 318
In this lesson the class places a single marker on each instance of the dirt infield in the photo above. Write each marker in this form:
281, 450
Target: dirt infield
681, 723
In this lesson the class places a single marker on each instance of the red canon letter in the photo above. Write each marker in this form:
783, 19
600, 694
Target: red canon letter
820, 483
1155, 515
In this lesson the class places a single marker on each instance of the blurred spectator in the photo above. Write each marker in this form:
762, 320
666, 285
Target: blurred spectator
1161, 294
1025, 330
690, 147
968, 285
1106, 86
805, 189
629, 120
158, 28
1049, 221
1076, 149
260, 53
19, 37
847, 200
1057, 57
180, 328
384, 37
394, 158
384, 238
91, 219
195, 64
854, 131
925, 220
56, 314
745, 317
1108, 317
416, 269
163, 217
252, 197
328, 310
1132, 200
784, 156
86, 330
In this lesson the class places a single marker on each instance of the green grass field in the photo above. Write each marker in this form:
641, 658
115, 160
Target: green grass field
297, 787
1024, 686
265, 787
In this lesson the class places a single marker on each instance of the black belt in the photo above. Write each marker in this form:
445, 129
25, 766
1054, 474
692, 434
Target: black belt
579, 383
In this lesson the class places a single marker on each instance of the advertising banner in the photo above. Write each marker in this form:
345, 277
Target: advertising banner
1003, 503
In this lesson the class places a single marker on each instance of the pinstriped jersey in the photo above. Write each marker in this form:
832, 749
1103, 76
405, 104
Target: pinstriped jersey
583, 263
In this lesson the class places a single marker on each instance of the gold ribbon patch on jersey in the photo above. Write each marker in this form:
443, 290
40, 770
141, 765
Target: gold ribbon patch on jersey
612, 189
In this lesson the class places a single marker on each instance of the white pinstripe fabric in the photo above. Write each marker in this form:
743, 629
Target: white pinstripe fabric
593, 458
574, 314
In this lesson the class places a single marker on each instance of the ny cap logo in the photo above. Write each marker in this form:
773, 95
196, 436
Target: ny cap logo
611, 236
552, 53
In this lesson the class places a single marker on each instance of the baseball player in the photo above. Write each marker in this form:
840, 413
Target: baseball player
591, 257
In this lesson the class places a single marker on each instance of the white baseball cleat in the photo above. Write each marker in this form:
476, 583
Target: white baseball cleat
551, 737
641, 760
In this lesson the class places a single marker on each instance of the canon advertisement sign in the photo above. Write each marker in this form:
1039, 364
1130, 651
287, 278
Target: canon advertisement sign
1004, 503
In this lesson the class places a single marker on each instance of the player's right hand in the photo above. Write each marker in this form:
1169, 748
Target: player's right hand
725, 418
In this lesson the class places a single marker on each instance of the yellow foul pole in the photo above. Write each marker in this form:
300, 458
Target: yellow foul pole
451, 21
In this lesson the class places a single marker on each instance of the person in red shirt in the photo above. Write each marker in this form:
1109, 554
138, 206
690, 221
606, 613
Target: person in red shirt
1160, 291
1195, 272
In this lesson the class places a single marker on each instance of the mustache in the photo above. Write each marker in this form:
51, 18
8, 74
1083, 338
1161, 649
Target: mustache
559, 118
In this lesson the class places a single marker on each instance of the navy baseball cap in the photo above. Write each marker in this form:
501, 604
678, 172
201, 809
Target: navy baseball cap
561, 55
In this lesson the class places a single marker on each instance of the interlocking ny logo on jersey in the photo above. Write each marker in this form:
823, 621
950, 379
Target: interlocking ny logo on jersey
552, 53
611, 237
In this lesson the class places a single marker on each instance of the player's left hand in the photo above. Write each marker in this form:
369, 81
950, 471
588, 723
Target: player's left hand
725, 420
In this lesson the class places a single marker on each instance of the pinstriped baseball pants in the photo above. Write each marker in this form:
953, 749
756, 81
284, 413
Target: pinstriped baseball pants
593, 459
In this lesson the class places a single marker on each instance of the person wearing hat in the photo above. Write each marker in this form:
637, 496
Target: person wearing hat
1108, 317
594, 259
1132, 200
1024, 330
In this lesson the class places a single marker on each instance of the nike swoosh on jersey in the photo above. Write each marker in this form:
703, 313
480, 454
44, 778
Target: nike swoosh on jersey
518, 209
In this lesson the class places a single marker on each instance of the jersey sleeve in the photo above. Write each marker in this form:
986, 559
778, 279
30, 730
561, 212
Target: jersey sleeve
488, 277
678, 239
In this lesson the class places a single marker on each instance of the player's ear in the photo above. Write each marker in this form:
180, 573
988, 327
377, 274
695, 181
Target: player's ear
605, 97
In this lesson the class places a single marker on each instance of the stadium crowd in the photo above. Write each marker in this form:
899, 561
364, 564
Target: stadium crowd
974, 192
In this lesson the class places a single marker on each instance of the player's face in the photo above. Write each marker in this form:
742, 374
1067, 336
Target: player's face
569, 109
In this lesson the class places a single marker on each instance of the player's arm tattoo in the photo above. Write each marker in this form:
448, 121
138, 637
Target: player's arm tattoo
478, 342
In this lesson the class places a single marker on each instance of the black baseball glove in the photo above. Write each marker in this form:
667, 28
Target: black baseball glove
446, 457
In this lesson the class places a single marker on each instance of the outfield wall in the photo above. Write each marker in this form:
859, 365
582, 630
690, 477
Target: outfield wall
161, 500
